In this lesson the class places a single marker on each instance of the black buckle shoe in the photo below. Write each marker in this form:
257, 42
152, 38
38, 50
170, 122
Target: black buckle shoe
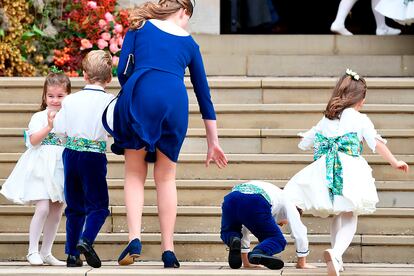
73, 261
271, 262
235, 260
86, 249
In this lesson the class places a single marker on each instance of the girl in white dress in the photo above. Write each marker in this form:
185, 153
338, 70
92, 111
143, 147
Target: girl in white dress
38, 176
339, 182
401, 11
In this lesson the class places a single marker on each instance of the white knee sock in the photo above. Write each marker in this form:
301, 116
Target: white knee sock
37, 223
50, 228
379, 18
343, 10
345, 234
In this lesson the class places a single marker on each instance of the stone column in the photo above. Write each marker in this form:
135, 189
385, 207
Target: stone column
205, 20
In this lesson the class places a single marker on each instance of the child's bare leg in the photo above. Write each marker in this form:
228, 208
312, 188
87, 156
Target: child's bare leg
164, 175
135, 175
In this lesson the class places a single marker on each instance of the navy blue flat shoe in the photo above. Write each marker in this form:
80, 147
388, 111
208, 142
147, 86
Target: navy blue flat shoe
169, 259
234, 259
132, 251
271, 262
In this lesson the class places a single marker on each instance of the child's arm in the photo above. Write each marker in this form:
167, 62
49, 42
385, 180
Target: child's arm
306, 143
383, 150
37, 137
245, 248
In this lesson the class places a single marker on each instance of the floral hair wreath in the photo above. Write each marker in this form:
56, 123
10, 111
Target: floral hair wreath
352, 74
54, 69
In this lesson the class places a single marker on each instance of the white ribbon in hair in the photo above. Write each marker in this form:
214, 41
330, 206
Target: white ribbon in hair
193, 3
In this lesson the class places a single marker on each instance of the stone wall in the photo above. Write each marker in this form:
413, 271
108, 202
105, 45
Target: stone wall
206, 18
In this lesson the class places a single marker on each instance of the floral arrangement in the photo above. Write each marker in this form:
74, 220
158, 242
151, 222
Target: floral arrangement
352, 74
90, 25
36, 34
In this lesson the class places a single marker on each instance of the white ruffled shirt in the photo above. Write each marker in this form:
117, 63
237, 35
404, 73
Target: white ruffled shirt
281, 209
81, 114
350, 121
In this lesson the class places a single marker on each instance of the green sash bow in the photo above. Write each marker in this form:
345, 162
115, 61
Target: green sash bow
348, 144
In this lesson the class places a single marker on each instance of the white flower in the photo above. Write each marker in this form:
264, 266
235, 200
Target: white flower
353, 74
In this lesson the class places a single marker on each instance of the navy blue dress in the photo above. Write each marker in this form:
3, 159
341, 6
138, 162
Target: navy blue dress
152, 109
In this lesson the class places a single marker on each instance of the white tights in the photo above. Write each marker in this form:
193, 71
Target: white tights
345, 7
46, 217
343, 229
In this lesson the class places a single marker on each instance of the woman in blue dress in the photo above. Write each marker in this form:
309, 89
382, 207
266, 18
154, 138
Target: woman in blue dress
151, 114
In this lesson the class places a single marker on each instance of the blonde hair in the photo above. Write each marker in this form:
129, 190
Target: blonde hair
97, 64
347, 92
55, 79
162, 10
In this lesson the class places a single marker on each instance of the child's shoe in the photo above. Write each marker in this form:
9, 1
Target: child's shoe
85, 247
388, 31
73, 261
332, 263
51, 260
234, 259
339, 29
257, 256
169, 259
34, 258
132, 251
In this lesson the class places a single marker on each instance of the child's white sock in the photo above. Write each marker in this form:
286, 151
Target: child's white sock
345, 234
50, 227
37, 223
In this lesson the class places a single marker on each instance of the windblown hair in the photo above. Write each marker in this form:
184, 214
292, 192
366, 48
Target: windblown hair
55, 79
347, 93
162, 10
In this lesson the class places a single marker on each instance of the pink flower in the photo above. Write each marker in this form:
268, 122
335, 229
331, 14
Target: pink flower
113, 48
102, 23
120, 41
118, 28
85, 44
92, 5
115, 61
106, 36
109, 17
102, 44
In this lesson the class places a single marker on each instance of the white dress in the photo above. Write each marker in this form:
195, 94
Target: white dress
401, 11
308, 189
39, 172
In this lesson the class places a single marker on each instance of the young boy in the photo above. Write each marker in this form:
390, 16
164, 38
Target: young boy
258, 207
84, 159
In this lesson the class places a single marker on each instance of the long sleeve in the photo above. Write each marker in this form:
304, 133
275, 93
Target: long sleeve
127, 49
245, 241
298, 230
200, 84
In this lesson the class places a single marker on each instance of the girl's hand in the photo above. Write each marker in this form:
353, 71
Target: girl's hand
401, 165
246, 263
216, 154
50, 117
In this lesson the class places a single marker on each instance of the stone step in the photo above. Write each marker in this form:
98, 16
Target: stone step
206, 219
315, 44
279, 116
155, 268
241, 166
400, 141
241, 90
209, 247
392, 194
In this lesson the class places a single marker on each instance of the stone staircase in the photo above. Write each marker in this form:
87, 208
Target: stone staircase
266, 89
258, 120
